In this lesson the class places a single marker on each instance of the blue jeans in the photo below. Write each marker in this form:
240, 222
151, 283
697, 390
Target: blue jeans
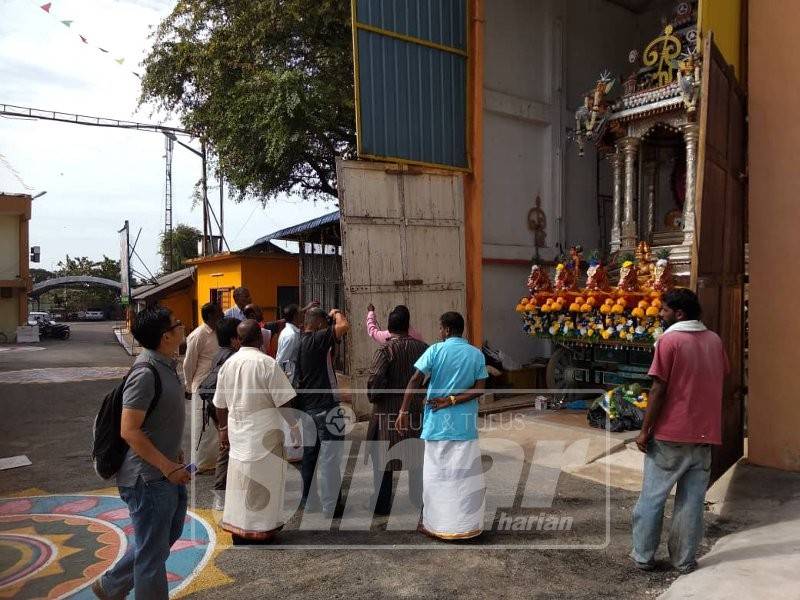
668, 464
158, 509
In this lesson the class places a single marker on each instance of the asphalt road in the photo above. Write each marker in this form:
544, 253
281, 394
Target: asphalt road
51, 423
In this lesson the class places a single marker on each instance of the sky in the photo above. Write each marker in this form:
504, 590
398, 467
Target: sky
96, 178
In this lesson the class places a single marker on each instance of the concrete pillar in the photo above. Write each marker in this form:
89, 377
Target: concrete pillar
650, 173
630, 147
690, 136
616, 223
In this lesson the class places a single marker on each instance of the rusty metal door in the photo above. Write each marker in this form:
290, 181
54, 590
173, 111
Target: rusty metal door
718, 260
402, 243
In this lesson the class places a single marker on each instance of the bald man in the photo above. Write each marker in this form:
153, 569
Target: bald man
251, 384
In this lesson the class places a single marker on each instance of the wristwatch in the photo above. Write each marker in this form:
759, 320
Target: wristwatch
452, 400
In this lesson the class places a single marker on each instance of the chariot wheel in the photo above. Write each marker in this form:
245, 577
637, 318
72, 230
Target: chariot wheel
561, 375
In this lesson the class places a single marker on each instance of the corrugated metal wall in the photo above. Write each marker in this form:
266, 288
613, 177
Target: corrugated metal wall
411, 61
322, 280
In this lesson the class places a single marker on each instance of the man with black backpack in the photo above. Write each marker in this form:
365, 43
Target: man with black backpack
228, 341
152, 477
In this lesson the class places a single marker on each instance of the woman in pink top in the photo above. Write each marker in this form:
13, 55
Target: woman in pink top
381, 335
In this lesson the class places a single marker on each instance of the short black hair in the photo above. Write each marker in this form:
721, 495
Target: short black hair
209, 310
250, 311
453, 321
290, 312
150, 324
237, 293
315, 314
226, 331
685, 300
399, 319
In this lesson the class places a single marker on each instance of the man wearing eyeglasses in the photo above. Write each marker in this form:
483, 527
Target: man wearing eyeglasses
152, 477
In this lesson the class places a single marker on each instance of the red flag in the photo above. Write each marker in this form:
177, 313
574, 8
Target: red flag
83, 39
46, 7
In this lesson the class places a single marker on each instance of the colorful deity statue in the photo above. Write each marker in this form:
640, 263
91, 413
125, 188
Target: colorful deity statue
597, 277
628, 277
539, 281
662, 276
576, 256
645, 263
565, 279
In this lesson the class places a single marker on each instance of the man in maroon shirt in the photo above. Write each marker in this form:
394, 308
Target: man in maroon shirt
683, 421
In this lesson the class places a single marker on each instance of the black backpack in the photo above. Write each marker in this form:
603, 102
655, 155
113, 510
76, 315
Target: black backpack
208, 388
108, 447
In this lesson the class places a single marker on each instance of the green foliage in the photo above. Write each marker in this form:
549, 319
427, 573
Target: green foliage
39, 275
267, 83
662, 253
184, 244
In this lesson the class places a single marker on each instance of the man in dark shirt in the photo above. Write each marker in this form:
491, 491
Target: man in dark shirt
316, 385
391, 370
152, 478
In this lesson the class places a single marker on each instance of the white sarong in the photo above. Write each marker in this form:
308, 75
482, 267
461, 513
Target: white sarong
254, 493
453, 489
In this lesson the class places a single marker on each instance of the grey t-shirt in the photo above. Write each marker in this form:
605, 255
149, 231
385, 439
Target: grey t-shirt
164, 426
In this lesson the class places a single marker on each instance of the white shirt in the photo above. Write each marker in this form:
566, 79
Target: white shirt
251, 386
288, 351
235, 312
201, 346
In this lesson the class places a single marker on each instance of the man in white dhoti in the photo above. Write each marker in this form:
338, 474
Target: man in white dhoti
453, 490
251, 388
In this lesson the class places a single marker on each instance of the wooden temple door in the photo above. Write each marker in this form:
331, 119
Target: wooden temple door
718, 257
402, 243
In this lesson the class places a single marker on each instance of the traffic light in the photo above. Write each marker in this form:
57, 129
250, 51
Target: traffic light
36, 254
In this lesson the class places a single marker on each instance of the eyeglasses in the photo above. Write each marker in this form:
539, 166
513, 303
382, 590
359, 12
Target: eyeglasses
178, 323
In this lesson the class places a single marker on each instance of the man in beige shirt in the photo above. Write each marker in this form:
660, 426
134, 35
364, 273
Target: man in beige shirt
201, 347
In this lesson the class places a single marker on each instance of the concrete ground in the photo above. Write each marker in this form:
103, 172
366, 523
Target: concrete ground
50, 421
762, 558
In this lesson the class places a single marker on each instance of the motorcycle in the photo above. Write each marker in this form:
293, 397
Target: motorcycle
51, 329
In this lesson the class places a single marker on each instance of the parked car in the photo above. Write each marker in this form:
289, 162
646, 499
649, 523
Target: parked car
94, 315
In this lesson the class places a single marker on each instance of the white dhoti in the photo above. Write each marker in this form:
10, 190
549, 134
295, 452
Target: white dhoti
254, 493
453, 490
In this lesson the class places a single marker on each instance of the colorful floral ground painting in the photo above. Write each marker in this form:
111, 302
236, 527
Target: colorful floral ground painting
56, 546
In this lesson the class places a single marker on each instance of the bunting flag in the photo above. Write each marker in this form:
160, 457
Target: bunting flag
68, 23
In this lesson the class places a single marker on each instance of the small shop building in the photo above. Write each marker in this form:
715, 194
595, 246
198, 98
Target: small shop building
175, 291
15, 281
268, 271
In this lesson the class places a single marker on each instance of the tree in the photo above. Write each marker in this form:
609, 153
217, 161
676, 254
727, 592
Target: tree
267, 83
184, 246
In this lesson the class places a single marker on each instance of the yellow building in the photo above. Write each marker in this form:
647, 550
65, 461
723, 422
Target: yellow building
175, 291
15, 281
272, 278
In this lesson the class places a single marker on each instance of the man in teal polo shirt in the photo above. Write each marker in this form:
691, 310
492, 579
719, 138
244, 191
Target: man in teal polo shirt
452, 477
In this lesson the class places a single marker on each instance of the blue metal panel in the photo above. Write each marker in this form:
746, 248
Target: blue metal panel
439, 21
412, 96
291, 233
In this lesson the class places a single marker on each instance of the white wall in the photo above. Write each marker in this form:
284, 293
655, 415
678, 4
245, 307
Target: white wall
540, 56
9, 246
